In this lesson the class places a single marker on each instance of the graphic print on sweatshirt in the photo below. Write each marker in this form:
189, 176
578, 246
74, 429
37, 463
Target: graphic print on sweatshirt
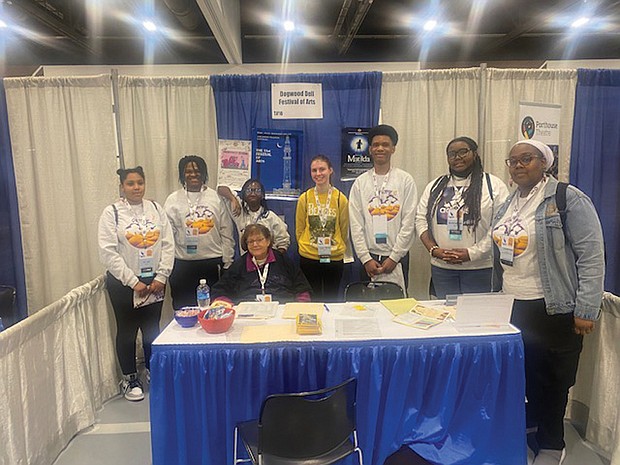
452, 199
201, 219
387, 203
314, 222
516, 230
142, 234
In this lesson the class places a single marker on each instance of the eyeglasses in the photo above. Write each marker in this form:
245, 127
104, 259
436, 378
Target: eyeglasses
253, 190
256, 241
461, 153
525, 160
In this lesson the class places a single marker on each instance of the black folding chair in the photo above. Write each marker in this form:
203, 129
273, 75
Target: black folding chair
372, 291
315, 428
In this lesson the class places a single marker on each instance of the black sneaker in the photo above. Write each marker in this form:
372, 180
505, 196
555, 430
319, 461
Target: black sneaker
131, 388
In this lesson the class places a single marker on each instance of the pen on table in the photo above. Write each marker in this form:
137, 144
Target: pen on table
245, 315
326, 307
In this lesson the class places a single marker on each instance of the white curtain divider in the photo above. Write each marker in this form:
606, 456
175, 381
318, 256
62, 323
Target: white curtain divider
594, 402
64, 152
57, 367
505, 89
163, 119
428, 109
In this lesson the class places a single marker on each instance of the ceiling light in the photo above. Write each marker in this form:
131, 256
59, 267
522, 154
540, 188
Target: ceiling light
289, 26
430, 25
149, 25
580, 22
3, 24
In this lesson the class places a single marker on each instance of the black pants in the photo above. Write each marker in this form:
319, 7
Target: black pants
551, 357
129, 320
381, 258
186, 276
324, 278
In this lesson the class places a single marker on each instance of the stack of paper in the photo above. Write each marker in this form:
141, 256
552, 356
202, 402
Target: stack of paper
308, 323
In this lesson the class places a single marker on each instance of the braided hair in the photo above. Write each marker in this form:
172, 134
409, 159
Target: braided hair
200, 164
472, 195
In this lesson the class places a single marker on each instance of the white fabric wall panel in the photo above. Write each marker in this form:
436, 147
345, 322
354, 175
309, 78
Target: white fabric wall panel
64, 152
57, 367
428, 109
504, 90
163, 119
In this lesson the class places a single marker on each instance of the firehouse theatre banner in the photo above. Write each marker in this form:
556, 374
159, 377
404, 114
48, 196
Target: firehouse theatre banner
355, 156
277, 161
541, 121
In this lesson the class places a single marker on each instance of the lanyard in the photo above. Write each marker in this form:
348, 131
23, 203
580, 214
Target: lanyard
378, 191
255, 216
139, 219
323, 211
262, 275
516, 209
192, 206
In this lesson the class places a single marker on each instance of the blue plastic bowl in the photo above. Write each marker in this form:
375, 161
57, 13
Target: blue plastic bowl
187, 317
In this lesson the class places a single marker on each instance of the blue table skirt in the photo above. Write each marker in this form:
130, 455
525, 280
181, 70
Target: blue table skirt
452, 400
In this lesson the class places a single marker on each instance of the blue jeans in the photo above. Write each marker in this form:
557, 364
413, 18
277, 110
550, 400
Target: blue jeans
460, 281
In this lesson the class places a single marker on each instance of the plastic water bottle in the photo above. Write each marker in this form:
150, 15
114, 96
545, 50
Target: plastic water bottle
203, 294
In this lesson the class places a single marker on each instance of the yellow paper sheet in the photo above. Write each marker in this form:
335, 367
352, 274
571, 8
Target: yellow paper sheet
292, 309
399, 306
269, 333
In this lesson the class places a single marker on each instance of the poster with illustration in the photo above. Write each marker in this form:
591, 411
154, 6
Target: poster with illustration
355, 155
277, 162
234, 163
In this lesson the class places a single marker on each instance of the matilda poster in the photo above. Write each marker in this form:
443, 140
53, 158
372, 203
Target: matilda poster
277, 161
355, 157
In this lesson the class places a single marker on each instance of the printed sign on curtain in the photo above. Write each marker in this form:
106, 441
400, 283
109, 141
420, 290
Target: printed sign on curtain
277, 161
298, 100
234, 163
355, 157
541, 121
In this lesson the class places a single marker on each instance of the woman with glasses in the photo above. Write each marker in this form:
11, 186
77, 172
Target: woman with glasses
322, 231
262, 274
251, 208
548, 251
203, 232
453, 219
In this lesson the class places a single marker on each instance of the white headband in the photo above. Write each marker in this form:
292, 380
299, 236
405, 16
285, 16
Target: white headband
546, 151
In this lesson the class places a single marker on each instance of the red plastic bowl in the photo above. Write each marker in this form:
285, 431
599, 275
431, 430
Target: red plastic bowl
216, 326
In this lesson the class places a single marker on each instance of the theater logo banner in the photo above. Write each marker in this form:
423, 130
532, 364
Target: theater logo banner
541, 121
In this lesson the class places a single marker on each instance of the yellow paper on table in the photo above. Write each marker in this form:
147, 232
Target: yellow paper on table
269, 333
292, 309
399, 306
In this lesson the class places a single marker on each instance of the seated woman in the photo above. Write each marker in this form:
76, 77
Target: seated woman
261, 274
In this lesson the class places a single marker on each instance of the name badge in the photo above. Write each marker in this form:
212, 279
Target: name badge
507, 250
379, 228
263, 298
191, 240
145, 263
454, 228
324, 245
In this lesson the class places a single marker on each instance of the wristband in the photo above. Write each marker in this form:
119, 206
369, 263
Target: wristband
432, 249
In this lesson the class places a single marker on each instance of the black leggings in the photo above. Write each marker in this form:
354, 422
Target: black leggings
324, 278
551, 357
129, 320
186, 276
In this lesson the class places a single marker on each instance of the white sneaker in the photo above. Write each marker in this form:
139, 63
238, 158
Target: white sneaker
550, 457
131, 388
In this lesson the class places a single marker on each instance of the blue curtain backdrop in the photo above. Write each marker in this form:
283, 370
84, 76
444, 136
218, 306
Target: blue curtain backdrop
595, 156
349, 100
11, 257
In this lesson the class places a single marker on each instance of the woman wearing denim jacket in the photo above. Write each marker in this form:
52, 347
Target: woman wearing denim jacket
555, 270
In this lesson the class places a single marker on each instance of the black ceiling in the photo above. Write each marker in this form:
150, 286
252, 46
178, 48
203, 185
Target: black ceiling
470, 31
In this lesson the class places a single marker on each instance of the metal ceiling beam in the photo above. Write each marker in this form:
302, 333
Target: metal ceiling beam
344, 10
360, 13
224, 19
53, 23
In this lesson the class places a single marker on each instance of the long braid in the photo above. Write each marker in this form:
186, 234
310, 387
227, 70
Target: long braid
473, 194
433, 200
